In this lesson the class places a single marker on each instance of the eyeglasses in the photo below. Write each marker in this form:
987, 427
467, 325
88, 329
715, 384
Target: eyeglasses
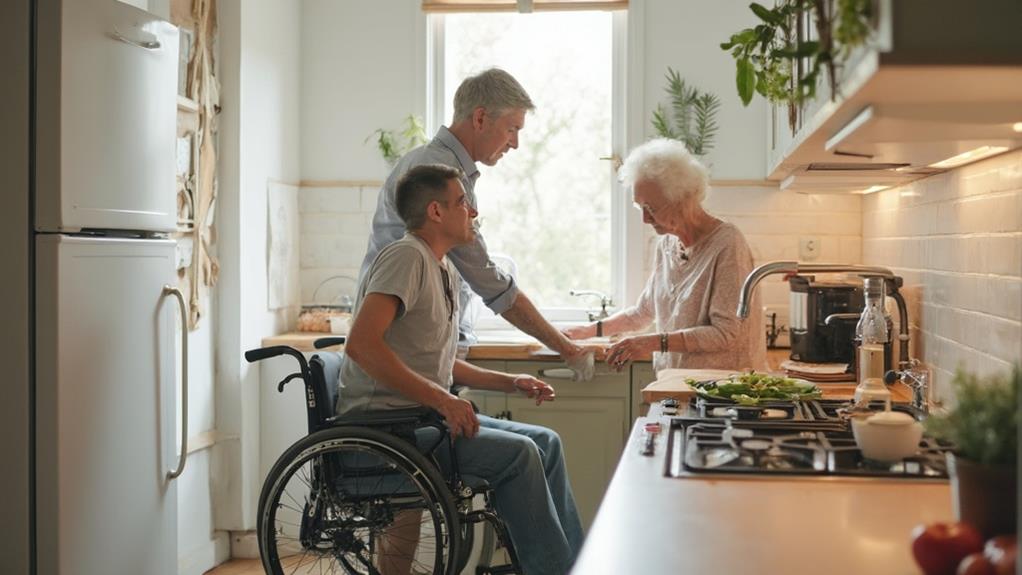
645, 208
448, 293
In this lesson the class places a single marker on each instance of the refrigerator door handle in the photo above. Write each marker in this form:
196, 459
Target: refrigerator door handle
170, 290
151, 44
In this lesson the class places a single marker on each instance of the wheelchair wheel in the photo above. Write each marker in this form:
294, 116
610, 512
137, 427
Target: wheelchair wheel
359, 501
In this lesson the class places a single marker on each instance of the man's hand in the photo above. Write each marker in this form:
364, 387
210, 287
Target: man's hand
461, 418
628, 349
582, 363
534, 388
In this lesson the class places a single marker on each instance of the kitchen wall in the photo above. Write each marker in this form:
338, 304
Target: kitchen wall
335, 222
259, 133
956, 238
340, 169
16, 333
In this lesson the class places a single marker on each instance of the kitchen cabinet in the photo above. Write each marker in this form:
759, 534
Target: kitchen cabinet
642, 375
592, 419
916, 96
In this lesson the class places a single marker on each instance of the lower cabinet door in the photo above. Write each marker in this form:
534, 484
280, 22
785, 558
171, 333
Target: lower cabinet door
590, 429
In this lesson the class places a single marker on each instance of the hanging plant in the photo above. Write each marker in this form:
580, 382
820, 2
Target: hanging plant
765, 55
691, 118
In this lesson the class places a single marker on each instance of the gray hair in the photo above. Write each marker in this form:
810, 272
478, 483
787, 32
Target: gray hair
494, 90
669, 164
418, 188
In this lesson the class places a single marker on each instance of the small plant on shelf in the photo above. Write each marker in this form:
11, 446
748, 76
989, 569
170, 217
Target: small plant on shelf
394, 144
691, 118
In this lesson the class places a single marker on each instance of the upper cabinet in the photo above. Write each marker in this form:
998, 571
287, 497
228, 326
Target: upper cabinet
939, 85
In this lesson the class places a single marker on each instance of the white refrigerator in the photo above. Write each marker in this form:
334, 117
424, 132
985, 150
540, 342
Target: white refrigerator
108, 442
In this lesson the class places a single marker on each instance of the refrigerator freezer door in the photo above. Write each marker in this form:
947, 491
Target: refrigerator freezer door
106, 122
105, 406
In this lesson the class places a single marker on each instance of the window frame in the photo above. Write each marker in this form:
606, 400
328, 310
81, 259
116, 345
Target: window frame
626, 232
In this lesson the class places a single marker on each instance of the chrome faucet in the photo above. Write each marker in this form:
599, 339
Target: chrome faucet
918, 380
892, 282
605, 301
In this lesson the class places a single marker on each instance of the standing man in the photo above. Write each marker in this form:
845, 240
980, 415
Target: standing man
489, 111
401, 352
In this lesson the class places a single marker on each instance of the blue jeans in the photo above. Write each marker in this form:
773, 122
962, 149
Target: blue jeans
524, 464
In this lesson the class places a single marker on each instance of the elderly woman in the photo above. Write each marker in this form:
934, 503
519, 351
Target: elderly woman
698, 269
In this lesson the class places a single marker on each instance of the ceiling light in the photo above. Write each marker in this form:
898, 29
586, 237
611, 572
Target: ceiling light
970, 156
872, 189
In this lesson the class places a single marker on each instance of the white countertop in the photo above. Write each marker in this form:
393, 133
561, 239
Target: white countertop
650, 524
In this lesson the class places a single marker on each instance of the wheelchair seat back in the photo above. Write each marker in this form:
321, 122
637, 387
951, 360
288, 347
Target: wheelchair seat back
326, 368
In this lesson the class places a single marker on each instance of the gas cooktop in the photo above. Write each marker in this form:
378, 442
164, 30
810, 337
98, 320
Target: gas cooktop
809, 438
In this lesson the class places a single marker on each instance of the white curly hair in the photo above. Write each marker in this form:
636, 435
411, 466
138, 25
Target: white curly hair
680, 175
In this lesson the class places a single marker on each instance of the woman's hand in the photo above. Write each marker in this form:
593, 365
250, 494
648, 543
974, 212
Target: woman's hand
534, 388
631, 348
579, 332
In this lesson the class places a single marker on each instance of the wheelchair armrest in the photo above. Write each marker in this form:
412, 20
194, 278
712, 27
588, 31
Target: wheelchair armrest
411, 415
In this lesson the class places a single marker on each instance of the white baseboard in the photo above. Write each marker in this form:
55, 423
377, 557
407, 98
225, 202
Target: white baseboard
207, 556
244, 545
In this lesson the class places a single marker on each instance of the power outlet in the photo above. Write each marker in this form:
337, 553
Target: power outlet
809, 248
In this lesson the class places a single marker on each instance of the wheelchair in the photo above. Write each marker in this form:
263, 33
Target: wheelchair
376, 493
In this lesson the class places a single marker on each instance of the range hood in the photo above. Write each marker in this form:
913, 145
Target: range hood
941, 86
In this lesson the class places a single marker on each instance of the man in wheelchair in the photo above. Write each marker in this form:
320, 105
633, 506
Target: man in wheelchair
401, 353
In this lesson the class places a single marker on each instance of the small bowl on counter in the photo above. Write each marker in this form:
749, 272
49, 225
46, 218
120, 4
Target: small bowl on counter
887, 436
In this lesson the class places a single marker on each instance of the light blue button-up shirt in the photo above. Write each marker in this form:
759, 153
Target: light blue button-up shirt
497, 289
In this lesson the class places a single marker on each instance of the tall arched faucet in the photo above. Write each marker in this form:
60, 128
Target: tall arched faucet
892, 281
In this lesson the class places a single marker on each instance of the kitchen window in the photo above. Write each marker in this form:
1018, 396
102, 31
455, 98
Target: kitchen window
549, 205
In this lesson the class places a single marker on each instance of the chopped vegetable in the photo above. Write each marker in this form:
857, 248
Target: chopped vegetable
751, 388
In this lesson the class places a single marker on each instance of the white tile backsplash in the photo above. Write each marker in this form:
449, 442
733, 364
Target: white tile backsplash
336, 221
956, 238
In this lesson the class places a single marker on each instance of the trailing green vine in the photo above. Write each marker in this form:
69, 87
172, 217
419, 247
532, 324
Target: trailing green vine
691, 118
765, 54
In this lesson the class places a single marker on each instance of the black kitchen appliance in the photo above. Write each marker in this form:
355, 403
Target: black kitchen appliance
812, 339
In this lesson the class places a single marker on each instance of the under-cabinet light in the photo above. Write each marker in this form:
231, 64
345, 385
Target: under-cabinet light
872, 189
1017, 126
970, 156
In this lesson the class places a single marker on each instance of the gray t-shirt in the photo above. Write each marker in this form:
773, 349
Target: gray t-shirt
496, 288
423, 334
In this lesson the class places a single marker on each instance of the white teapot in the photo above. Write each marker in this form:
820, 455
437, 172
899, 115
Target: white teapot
887, 436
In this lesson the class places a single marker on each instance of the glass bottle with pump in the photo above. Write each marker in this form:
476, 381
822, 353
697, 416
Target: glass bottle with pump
873, 335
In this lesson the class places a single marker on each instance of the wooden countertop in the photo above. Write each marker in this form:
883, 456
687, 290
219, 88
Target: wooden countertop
652, 524
527, 350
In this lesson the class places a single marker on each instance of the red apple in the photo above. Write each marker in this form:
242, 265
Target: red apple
976, 564
1002, 551
939, 547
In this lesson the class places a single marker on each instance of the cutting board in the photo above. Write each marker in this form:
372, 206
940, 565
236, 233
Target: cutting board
671, 383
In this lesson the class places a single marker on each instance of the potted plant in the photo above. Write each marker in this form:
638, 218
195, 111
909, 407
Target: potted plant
393, 145
983, 426
691, 118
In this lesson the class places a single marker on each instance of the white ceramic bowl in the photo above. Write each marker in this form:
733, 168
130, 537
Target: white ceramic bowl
887, 436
